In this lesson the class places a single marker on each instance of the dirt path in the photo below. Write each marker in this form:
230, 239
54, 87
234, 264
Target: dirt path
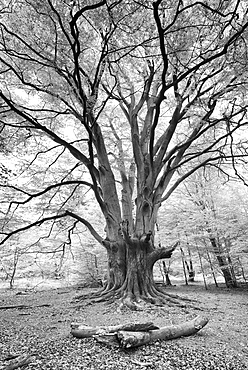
45, 332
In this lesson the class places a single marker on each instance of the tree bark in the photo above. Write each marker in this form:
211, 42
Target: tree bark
223, 263
130, 274
135, 335
166, 274
84, 331
116, 254
139, 286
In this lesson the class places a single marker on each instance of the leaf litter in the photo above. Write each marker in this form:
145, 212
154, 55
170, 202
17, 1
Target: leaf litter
41, 332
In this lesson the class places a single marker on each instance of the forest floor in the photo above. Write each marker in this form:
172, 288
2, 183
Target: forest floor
42, 329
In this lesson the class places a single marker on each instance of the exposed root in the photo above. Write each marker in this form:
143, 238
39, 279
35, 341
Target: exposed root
101, 295
82, 297
90, 295
151, 295
176, 296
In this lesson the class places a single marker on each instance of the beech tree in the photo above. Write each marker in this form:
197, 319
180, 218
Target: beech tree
208, 213
217, 218
124, 98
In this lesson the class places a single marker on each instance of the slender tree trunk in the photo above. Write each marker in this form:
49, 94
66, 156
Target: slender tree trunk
223, 263
230, 262
184, 268
166, 273
242, 271
212, 268
202, 269
15, 262
190, 267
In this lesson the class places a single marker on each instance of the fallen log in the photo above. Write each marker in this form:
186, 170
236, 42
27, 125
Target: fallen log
84, 331
22, 306
138, 334
22, 360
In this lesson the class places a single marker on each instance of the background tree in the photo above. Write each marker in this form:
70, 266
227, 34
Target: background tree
221, 219
84, 82
209, 215
212, 224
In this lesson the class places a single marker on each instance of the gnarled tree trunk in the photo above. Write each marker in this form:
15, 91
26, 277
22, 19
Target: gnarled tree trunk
138, 284
130, 273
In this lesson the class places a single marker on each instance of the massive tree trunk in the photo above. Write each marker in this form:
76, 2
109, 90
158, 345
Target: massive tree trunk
116, 253
139, 284
130, 273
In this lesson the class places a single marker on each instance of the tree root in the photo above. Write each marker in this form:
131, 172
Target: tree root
151, 295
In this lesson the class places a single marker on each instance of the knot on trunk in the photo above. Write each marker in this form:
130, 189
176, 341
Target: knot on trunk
146, 208
146, 237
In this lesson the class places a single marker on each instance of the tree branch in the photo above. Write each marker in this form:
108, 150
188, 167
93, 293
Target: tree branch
91, 229
163, 252
36, 223
85, 9
34, 122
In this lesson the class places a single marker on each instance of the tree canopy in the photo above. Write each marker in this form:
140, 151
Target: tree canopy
124, 98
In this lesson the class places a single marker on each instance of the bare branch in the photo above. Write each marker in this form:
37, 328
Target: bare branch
33, 224
46, 190
91, 229
34, 122
162, 252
